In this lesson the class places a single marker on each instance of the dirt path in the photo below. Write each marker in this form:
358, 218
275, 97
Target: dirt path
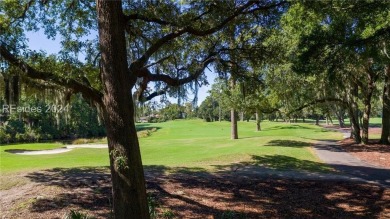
332, 154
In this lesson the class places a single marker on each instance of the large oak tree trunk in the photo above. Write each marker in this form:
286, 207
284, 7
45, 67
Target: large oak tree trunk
386, 108
128, 184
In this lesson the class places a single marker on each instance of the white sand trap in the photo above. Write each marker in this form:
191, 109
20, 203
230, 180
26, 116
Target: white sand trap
67, 148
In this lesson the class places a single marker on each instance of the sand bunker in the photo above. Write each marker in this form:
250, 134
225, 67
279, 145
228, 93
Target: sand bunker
67, 148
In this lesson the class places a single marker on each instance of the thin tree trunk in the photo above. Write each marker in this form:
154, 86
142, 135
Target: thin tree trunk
386, 109
15, 89
233, 113
128, 183
367, 108
258, 127
354, 115
233, 119
340, 117
7, 92
366, 120
330, 119
219, 113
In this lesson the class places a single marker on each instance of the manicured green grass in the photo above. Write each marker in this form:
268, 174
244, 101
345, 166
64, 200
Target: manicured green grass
199, 144
78, 157
193, 144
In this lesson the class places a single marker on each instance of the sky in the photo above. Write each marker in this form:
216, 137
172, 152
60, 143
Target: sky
38, 41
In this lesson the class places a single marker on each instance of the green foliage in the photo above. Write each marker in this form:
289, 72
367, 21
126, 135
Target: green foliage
120, 160
152, 204
4, 136
29, 135
84, 120
89, 140
146, 133
77, 119
232, 215
14, 125
168, 214
172, 112
209, 110
74, 214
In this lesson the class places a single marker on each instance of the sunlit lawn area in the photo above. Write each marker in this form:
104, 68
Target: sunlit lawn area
188, 143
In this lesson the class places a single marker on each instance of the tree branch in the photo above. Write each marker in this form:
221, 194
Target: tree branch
146, 19
30, 72
157, 62
175, 81
24, 12
170, 81
190, 30
330, 99
155, 94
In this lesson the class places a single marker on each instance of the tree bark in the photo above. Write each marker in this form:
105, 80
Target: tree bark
233, 113
233, 120
367, 107
15, 89
258, 127
386, 108
330, 119
366, 119
7, 92
219, 112
128, 184
340, 117
354, 114
317, 119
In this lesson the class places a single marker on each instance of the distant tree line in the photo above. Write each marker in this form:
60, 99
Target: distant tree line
34, 119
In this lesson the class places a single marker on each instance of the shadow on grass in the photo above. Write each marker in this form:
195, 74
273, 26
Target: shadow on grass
17, 150
197, 193
145, 126
288, 143
375, 125
280, 162
291, 126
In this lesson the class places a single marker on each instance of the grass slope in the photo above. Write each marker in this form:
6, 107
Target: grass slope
192, 144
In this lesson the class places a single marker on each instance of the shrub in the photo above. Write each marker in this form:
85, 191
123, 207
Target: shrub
89, 140
168, 214
19, 137
146, 133
14, 126
32, 135
76, 215
152, 203
4, 136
